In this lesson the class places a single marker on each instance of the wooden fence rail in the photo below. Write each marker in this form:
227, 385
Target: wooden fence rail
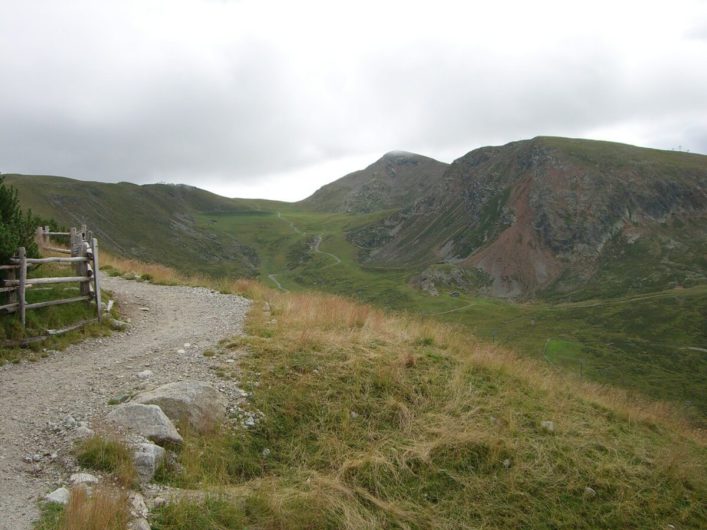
83, 258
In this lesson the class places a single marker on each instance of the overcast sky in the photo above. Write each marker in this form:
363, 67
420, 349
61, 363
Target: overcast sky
274, 99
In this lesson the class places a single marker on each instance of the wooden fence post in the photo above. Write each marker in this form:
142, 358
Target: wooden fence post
22, 254
12, 295
96, 282
73, 243
82, 269
39, 237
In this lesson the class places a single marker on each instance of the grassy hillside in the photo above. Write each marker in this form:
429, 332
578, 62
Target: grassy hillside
371, 420
152, 223
650, 343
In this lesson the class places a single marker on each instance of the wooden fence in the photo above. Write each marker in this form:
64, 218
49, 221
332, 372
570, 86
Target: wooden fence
82, 257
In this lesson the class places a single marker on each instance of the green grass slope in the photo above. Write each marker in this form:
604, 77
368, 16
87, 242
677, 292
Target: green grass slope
152, 223
649, 343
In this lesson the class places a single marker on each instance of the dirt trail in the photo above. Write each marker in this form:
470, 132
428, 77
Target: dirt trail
315, 249
170, 328
317, 242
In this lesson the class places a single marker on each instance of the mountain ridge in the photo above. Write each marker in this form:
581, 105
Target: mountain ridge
519, 212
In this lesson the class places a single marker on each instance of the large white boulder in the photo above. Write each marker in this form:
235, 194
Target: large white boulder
146, 420
197, 404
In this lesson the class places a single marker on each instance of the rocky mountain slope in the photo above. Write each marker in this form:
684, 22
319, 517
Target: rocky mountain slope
393, 181
553, 215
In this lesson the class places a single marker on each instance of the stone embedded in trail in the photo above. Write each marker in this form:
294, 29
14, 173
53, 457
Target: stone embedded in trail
147, 458
146, 420
118, 325
59, 496
197, 403
138, 508
83, 431
83, 478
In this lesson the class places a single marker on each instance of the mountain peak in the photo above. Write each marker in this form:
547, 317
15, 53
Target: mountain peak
395, 180
400, 154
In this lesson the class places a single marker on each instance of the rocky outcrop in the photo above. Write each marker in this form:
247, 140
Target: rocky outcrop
146, 420
197, 404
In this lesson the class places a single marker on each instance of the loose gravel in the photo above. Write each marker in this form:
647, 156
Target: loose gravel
45, 406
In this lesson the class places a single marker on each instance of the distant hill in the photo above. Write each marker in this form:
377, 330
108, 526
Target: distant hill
153, 222
547, 217
395, 180
553, 215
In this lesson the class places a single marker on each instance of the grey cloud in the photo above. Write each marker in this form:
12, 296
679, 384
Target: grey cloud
135, 106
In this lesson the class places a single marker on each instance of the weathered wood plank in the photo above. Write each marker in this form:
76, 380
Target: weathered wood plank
9, 267
57, 233
39, 305
9, 308
52, 332
45, 281
56, 260
7, 289
58, 250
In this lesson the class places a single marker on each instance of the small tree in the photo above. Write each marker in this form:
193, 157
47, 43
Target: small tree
16, 228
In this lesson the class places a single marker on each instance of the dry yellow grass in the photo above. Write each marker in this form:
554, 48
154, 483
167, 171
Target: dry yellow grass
315, 319
105, 509
321, 318
161, 274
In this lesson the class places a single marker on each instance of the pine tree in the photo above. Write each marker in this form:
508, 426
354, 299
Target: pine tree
16, 227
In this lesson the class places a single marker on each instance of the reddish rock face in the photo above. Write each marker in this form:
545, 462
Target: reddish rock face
552, 214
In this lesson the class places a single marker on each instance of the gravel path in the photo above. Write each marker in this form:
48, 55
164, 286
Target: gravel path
170, 327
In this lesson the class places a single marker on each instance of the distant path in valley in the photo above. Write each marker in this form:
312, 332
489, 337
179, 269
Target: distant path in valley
80, 381
273, 277
315, 249
292, 225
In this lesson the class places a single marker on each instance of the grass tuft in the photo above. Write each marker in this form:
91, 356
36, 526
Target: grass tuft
108, 455
104, 509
